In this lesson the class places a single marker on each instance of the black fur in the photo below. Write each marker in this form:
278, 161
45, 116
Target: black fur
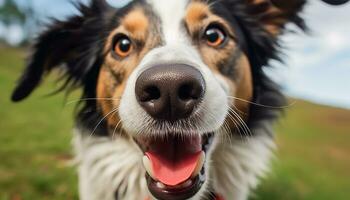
76, 46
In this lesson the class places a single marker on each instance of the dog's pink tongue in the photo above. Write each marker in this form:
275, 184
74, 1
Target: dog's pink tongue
173, 173
173, 162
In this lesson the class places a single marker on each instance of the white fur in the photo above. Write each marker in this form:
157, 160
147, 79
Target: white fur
171, 14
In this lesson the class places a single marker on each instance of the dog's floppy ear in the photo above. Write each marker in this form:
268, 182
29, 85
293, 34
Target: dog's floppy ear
55, 46
275, 14
69, 45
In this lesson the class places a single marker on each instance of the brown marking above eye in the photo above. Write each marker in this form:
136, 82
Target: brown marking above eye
199, 17
196, 12
136, 23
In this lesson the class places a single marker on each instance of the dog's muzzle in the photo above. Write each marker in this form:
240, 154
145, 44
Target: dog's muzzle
174, 160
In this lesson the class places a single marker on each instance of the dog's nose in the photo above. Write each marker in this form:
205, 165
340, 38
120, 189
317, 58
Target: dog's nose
170, 92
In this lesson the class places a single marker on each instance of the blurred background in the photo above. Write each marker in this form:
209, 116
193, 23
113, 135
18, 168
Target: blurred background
313, 160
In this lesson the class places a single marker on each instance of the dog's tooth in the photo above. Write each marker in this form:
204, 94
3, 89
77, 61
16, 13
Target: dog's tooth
160, 185
188, 183
200, 165
148, 166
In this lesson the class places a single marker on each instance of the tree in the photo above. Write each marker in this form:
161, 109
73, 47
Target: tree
10, 13
24, 17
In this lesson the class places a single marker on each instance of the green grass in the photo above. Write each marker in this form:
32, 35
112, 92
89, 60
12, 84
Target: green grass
35, 138
313, 161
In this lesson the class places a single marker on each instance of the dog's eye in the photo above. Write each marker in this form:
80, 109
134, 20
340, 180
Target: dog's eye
123, 46
214, 36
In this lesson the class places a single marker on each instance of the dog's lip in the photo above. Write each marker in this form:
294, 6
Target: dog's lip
171, 192
175, 193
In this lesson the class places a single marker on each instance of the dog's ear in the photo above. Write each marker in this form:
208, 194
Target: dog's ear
275, 14
70, 45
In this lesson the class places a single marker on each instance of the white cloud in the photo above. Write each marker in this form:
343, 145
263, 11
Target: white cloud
335, 39
14, 34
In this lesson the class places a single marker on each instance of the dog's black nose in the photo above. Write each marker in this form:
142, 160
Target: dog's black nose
170, 92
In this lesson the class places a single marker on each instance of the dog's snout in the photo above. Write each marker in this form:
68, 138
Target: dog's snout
170, 92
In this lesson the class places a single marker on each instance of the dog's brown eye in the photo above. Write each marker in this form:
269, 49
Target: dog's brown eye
123, 46
214, 36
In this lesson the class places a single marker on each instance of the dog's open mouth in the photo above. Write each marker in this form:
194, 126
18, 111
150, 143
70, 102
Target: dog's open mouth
175, 164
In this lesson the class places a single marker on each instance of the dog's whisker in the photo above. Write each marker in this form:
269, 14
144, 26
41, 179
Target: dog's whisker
92, 99
240, 121
115, 129
243, 123
262, 105
210, 5
237, 125
100, 122
225, 129
226, 133
211, 115
245, 126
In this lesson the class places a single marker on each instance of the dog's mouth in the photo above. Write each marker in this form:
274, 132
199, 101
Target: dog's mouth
175, 164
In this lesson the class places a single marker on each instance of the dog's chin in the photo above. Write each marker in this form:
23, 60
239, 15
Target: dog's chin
175, 164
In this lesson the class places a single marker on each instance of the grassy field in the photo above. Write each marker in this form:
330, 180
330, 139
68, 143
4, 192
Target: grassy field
313, 161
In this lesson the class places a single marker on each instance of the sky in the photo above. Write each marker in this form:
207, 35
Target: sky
317, 66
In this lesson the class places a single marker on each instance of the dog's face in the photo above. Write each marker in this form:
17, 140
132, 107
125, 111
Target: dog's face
171, 75
166, 69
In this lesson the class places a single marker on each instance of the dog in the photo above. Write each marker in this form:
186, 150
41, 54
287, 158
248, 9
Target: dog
175, 101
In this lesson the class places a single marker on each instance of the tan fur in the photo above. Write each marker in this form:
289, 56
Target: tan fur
196, 13
136, 23
104, 90
244, 88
